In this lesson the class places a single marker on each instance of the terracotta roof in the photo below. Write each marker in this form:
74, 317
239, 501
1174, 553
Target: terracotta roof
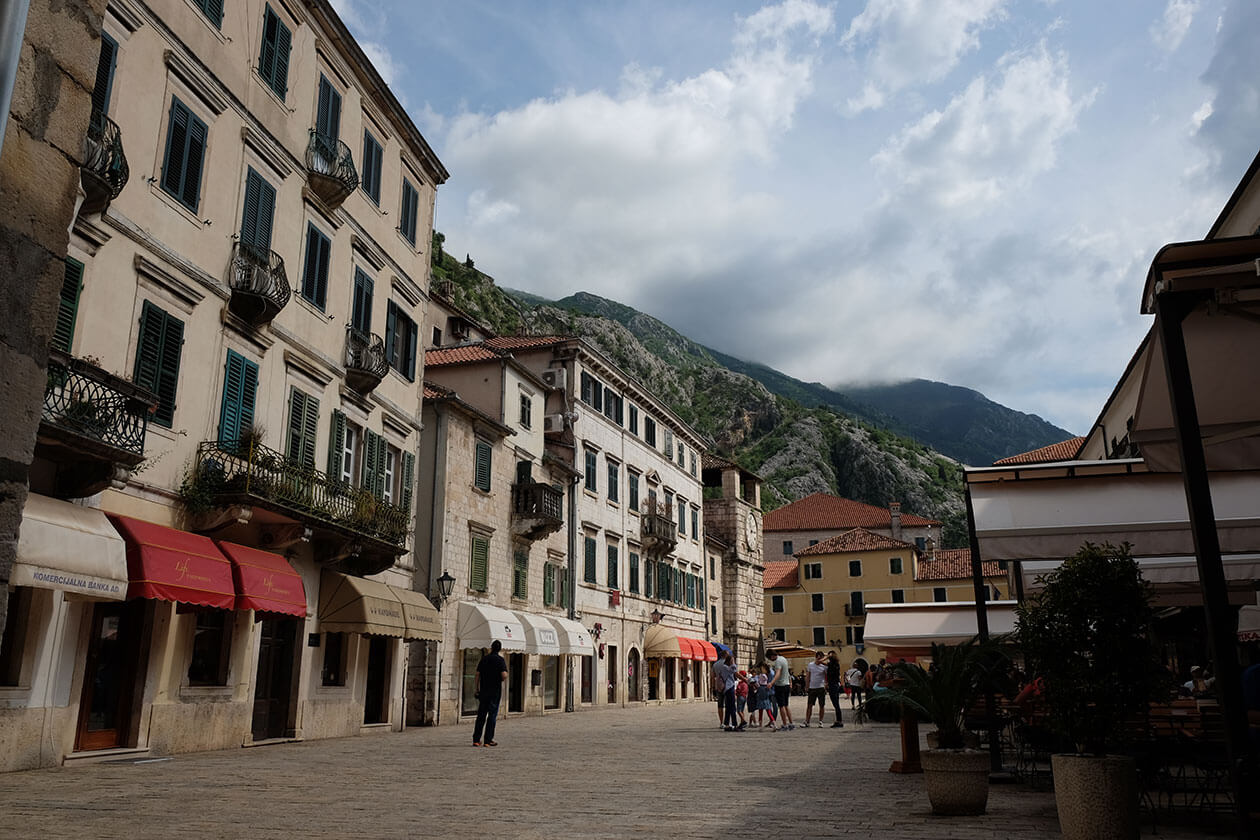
779, 574
823, 511
433, 391
460, 355
953, 564
859, 539
517, 342
1064, 450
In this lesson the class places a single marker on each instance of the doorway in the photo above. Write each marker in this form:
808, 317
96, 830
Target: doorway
654, 676
273, 688
612, 674
632, 675
669, 679
376, 697
516, 682
107, 708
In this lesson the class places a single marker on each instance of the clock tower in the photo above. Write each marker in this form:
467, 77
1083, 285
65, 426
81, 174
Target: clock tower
733, 546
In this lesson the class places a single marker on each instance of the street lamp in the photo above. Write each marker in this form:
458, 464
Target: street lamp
657, 615
446, 584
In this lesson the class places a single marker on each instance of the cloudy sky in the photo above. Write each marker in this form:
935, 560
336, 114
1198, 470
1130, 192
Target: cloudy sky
862, 190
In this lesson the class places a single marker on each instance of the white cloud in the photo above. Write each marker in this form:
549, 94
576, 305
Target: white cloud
915, 42
1170, 30
382, 60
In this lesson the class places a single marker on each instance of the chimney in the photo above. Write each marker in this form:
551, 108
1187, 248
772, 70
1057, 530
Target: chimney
894, 513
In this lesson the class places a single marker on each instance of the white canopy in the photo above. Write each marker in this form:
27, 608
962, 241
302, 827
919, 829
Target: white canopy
915, 627
71, 548
540, 634
1249, 623
573, 637
481, 624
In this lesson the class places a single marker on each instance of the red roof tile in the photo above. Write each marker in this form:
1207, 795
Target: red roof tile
517, 342
433, 391
780, 574
1064, 450
823, 511
859, 539
463, 354
953, 564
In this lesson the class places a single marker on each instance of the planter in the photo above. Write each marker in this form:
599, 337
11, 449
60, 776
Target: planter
1097, 796
971, 740
957, 781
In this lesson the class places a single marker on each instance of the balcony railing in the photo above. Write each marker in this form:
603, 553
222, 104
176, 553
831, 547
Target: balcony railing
105, 169
538, 509
657, 529
260, 287
232, 470
330, 168
366, 363
97, 406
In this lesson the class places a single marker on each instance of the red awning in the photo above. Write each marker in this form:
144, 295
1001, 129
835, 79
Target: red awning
171, 565
710, 652
685, 650
265, 582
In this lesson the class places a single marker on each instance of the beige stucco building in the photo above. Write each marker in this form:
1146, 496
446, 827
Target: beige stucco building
820, 516
232, 401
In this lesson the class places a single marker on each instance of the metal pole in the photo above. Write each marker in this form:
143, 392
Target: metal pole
12, 29
982, 629
1171, 309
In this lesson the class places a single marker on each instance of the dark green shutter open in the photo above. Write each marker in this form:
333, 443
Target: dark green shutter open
273, 55
391, 320
371, 167
408, 479
213, 10
240, 388
105, 73
481, 476
315, 269
259, 210
303, 427
328, 110
158, 349
68, 305
336, 443
549, 584
478, 573
361, 312
589, 570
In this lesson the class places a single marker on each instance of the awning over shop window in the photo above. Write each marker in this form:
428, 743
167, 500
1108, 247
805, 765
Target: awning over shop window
71, 548
481, 624
574, 639
1249, 623
687, 649
265, 582
420, 616
349, 604
707, 648
913, 628
663, 641
540, 634
171, 565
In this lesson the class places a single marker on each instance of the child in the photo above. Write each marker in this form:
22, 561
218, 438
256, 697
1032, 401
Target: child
764, 699
741, 698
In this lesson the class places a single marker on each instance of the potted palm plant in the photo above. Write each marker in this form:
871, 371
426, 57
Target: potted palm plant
955, 772
1086, 634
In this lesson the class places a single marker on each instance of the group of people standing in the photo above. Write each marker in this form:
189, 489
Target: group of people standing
766, 691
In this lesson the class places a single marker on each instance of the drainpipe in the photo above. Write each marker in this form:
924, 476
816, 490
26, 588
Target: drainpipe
12, 28
572, 575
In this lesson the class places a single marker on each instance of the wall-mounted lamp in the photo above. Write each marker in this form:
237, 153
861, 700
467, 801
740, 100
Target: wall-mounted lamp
446, 584
657, 615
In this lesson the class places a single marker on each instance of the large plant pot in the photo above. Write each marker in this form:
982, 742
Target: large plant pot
1097, 796
957, 781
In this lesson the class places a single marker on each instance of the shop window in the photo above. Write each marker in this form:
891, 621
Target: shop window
16, 623
211, 648
468, 682
334, 670
551, 682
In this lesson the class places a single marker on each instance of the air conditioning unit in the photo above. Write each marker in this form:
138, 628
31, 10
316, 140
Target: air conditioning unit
555, 378
553, 423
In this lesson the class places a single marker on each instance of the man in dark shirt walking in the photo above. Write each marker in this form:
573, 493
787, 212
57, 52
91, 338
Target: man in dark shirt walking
488, 689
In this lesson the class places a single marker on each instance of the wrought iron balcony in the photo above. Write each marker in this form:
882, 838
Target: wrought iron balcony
330, 169
537, 510
93, 425
366, 363
245, 472
104, 169
260, 287
657, 529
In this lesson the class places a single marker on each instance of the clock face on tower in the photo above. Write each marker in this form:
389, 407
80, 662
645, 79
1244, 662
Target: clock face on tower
750, 531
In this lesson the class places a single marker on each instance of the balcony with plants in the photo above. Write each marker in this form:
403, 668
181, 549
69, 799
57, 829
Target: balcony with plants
259, 284
104, 169
366, 362
92, 427
330, 169
353, 529
657, 528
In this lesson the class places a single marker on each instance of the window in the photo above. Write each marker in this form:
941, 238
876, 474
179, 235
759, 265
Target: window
848, 635
634, 419
588, 678
920, 543
592, 480
614, 481
273, 58
13, 645
691, 590
634, 572
614, 573
712, 569
856, 604
104, 73
211, 648
859, 635
713, 625
409, 212
348, 467
257, 214
361, 303
820, 635
695, 523
185, 153
589, 570
816, 602
855, 568
682, 454
813, 571
778, 634
158, 349
776, 603
371, 180
479, 563
389, 471
68, 306
520, 572
437, 337
693, 463
649, 431
899, 596
240, 386
481, 470
613, 406
649, 577
894, 565
997, 594
527, 411
549, 584
315, 272
633, 478
938, 594
400, 341
682, 517
813, 543
328, 116
334, 670
787, 546
213, 10
669, 444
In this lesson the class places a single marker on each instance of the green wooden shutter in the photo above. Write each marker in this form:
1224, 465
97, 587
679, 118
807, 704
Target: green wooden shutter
190, 193
260, 206
68, 305
412, 339
176, 148
589, 570
478, 572
372, 466
310, 429
283, 44
336, 443
303, 428
328, 111
361, 312
240, 387
520, 574
481, 476
273, 55
158, 349
104, 73
408, 479
549, 584
614, 576
391, 321
213, 10
315, 271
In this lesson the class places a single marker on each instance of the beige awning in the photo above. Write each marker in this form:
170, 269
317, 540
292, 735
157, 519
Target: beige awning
540, 634
349, 604
419, 615
661, 641
1249, 623
482, 624
71, 548
914, 628
573, 637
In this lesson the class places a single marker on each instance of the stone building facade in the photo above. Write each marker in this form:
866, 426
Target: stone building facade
732, 515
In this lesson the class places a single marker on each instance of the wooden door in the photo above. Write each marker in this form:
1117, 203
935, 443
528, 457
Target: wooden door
109, 683
273, 688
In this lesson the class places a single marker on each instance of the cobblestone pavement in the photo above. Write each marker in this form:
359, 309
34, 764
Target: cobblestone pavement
665, 772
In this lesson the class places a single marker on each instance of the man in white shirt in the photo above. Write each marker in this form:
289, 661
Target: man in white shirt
853, 679
782, 678
816, 686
